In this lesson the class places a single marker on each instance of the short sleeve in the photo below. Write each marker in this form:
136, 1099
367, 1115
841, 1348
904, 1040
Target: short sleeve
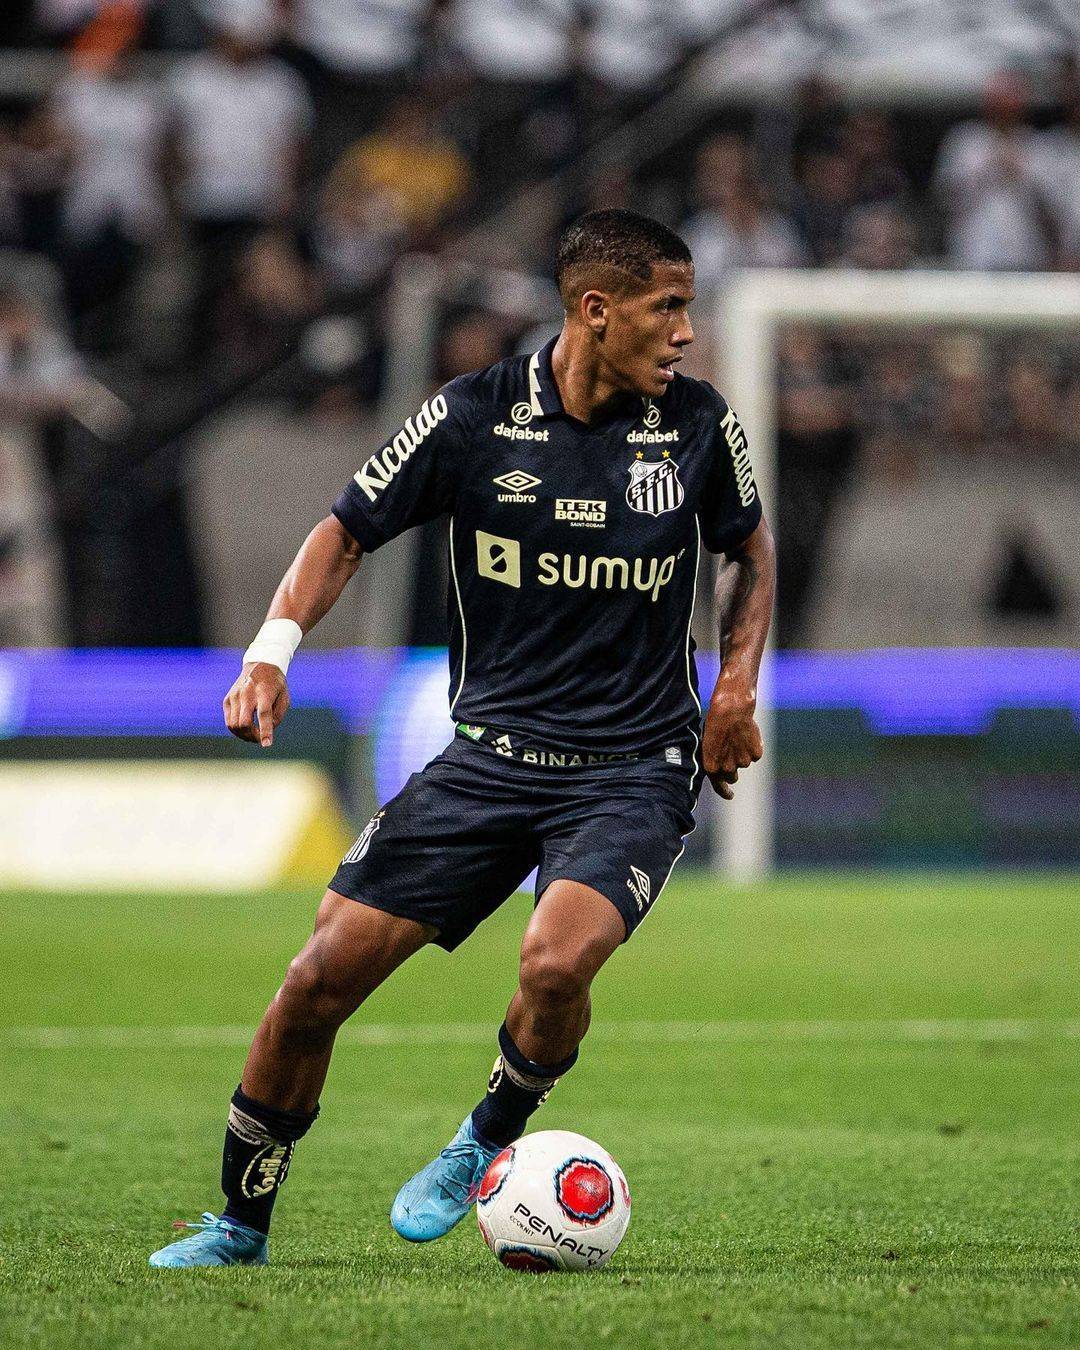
730, 508
411, 480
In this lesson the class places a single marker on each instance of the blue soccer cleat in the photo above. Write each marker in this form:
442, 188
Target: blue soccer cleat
218, 1242
442, 1193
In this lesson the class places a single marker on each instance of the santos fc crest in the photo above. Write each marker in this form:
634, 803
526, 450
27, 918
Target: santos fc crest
654, 488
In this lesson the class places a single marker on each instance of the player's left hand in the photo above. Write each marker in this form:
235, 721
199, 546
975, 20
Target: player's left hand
731, 739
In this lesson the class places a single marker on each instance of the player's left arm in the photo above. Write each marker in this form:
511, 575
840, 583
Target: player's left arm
731, 739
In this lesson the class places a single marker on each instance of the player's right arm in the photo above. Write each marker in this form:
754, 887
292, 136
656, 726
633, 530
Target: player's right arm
259, 698
407, 482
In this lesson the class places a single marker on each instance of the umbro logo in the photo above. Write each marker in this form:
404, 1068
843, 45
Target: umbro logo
517, 481
640, 886
517, 484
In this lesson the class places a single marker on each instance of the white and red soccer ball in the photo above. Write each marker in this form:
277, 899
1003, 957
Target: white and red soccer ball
553, 1201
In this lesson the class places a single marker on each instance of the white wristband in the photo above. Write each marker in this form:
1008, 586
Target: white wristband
275, 643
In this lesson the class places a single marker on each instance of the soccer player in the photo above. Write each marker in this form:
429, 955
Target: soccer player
581, 483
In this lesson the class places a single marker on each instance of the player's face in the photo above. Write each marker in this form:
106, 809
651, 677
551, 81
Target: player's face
648, 329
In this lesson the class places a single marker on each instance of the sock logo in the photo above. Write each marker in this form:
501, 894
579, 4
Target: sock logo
266, 1171
496, 1075
246, 1127
528, 1082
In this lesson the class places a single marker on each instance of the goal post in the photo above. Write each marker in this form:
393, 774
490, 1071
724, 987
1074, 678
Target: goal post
749, 317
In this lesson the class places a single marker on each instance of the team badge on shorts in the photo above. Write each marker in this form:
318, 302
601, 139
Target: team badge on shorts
360, 848
654, 487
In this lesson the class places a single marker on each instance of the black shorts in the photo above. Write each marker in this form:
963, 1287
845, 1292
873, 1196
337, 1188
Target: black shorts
462, 835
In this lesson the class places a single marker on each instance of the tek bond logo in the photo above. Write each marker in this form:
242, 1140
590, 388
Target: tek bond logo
580, 512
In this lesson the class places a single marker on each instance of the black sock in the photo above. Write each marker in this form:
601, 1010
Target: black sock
259, 1143
517, 1086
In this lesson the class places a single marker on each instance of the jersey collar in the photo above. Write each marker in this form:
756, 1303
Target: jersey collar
543, 391
544, 397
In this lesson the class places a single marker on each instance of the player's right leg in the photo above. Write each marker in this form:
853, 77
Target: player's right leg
353, 949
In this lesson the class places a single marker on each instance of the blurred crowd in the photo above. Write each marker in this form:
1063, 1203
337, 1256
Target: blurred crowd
273, 162
209, 180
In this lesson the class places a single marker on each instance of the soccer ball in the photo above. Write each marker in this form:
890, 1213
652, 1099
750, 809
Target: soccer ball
553, 1201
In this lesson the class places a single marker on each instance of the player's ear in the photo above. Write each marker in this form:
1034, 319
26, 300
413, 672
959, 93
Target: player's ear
594, 311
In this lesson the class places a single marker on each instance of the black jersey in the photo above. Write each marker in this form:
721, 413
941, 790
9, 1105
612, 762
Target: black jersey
574, 547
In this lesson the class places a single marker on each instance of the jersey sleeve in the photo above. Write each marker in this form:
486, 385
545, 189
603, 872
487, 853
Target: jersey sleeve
412, 479
730, 509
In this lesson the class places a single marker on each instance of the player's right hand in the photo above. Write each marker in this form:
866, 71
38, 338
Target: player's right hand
257, 703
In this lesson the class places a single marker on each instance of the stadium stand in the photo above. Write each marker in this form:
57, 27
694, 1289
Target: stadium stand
201, 205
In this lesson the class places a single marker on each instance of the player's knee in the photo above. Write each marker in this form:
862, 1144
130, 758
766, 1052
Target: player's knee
554, 975
310, 997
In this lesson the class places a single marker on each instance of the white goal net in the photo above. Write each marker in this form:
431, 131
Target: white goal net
969, 311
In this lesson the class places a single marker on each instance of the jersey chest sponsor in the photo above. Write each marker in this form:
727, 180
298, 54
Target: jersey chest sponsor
519, 433
652, 437
577, 570
501, 559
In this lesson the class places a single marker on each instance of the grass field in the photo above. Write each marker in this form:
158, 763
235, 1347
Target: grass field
847, 1107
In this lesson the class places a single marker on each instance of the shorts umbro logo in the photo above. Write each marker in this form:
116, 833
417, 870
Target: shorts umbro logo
640, 886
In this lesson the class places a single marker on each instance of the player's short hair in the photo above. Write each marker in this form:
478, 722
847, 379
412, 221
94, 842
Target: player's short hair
613, 251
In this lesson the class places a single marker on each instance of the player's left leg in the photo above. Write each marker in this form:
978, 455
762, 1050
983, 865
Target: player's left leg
572, 932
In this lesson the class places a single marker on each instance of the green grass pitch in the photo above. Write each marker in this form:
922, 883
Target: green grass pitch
847, 1106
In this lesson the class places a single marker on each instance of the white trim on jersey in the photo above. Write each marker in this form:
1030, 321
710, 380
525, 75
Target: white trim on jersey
689, 625
461, 611
697, 703
534, 385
